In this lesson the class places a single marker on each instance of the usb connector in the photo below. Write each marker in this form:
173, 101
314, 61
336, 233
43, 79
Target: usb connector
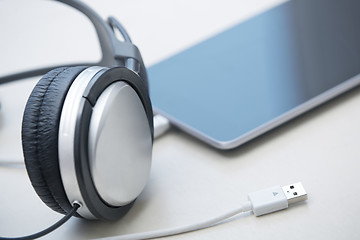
276, 198
261, 202
161, 125
295, 193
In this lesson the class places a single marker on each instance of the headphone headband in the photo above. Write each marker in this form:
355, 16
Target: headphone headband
114, 51
110, 45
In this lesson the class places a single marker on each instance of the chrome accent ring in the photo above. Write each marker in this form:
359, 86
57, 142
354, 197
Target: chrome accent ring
66, 143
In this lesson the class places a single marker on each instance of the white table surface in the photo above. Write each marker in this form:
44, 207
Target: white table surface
189, 181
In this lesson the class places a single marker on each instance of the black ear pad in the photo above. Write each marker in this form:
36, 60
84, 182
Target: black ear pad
40, 136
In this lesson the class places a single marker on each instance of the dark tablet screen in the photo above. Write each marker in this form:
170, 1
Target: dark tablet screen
260, 69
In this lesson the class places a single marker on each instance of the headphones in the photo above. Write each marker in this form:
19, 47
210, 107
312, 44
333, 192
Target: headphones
87, 131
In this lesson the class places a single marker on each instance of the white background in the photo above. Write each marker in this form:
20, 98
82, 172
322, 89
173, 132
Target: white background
190, 181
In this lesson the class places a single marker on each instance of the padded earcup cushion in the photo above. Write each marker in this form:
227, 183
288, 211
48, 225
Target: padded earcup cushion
40, 136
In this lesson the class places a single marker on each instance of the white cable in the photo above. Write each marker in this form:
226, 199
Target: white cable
161, 125
260, 202
184, 229
12, 163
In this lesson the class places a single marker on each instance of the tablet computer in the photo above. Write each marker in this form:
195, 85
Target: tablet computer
262, 72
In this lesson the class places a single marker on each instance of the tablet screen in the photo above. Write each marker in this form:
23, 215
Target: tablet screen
258, 70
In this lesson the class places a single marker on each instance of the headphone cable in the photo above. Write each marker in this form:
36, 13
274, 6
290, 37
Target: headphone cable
42, 233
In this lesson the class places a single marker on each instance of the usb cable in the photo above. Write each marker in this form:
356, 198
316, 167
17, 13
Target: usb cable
161, 125
260, 202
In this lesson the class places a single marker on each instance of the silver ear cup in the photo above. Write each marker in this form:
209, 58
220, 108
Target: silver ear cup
120, 145
105, 142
